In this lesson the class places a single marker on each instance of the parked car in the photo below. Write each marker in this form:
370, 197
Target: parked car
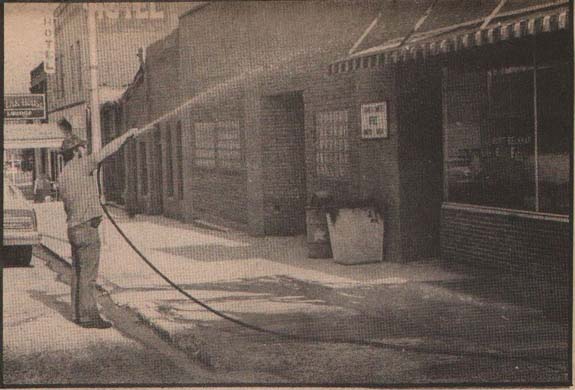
20, 229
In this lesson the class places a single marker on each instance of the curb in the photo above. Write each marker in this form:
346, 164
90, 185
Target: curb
198, 353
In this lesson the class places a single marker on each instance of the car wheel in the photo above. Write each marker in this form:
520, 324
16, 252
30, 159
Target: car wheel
17, 255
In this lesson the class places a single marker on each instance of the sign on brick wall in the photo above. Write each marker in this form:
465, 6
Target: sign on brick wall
24, 106
374, 120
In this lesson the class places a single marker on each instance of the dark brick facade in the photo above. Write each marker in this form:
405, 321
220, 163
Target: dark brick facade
525, 242
228, 63
260, 72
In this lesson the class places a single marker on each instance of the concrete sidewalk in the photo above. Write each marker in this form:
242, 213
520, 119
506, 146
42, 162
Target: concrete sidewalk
427, 322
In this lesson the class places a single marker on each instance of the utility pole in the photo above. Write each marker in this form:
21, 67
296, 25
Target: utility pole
94, 96
94, 93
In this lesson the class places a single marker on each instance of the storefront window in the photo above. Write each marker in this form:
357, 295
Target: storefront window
332, 158
499, 151
553, 95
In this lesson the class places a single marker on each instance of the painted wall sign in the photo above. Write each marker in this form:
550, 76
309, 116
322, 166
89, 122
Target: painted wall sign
49, 45
374, 123
24, 106
128, 11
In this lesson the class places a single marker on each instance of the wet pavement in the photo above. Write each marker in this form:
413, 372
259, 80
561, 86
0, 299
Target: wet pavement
385, 323
42, 346
392, 333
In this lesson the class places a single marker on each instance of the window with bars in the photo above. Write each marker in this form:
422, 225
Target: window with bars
218, 145
332, 153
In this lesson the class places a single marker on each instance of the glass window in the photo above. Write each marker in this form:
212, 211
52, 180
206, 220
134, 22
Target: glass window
499, 151
180, 160
555, 126
332, 153
169, 161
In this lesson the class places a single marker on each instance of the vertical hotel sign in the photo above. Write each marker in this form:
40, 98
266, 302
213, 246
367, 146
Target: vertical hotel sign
49, 45
374, 123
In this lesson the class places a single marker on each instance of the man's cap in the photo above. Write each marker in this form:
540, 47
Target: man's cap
72, 142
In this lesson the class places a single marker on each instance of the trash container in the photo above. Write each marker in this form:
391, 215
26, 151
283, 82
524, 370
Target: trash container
318, 243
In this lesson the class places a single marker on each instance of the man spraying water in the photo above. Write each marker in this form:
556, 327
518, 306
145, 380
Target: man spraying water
79, 192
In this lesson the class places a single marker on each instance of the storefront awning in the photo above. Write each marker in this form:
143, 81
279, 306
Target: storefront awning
503, 25
109, 95
32, 136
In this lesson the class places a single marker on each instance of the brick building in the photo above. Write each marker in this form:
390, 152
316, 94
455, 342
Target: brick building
438, 110
480, 128
243, 71
46, 159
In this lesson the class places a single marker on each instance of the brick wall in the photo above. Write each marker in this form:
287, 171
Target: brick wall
134, 114
513, 240
232, 56
239, 39
374, 170
162, 72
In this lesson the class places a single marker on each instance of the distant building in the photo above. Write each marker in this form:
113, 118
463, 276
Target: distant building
122, 29
46, 159
39, 82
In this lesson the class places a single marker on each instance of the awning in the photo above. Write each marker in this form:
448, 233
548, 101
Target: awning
110, 94
32, 136
505, 25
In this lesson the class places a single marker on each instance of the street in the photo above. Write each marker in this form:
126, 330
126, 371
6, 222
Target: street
412, 335
43, 346
322, 193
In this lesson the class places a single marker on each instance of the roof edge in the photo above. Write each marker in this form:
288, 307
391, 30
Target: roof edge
195, 7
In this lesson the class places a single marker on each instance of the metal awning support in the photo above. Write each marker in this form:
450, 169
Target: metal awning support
502, 27
492, 14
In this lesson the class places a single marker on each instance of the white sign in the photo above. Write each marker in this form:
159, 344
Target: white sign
49, 45
374, 122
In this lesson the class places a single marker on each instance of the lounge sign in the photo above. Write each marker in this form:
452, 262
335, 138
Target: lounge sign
24, 106
374, 120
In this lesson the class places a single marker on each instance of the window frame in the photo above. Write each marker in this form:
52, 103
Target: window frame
536, 107
219, 163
